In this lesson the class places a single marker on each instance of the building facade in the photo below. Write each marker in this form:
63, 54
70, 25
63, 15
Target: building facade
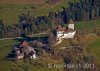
68, 32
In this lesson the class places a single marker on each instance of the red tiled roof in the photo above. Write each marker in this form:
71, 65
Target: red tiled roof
24, 44
69, 30
60, 28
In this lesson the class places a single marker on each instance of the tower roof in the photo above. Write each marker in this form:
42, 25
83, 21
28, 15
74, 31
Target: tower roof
71, 21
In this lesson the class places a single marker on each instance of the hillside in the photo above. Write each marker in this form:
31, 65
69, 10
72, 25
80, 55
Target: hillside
6, 65
10, 11
22, 1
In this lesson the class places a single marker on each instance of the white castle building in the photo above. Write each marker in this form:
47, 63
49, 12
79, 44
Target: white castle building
68, 32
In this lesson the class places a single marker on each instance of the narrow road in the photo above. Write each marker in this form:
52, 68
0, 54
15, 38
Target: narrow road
28, 36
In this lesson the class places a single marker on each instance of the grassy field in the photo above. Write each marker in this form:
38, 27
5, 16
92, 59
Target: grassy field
7, 65
95, 48
92, 42
6, 46
87, 24
92, 26
22, 1
10, 12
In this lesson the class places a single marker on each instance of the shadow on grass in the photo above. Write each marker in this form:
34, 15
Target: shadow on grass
43, 39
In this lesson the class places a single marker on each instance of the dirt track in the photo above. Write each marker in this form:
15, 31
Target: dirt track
22, 1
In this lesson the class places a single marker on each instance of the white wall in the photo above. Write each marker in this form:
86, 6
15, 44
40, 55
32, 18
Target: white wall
59, 34
21, 57
71, 26
69, 35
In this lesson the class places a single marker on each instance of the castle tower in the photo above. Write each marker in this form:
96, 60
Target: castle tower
71, 24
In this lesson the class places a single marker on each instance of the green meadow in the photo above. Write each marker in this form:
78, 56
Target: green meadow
6, 46
7, 65
95, 48
87, 24
10, 12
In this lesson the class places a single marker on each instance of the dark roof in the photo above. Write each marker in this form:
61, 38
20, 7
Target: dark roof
71, 21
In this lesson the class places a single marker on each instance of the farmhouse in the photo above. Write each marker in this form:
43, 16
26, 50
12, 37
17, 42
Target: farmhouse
65, 33
27, 50
24, 50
